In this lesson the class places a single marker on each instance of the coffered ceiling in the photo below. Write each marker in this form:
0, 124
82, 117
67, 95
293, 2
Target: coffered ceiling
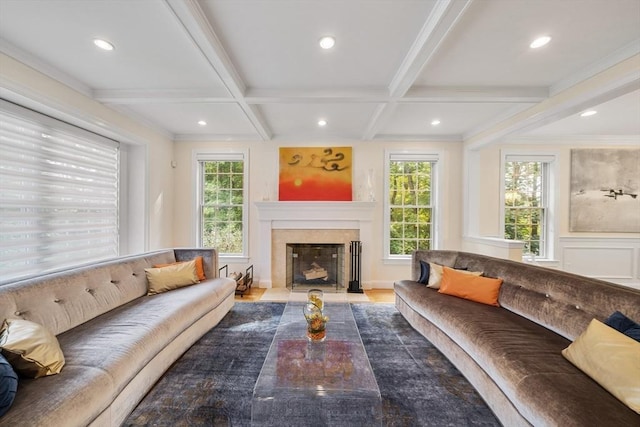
253, 69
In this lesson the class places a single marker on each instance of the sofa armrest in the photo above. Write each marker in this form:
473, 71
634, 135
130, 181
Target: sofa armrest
209, 258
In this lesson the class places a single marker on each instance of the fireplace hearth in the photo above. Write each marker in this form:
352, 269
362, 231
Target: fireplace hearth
315, 265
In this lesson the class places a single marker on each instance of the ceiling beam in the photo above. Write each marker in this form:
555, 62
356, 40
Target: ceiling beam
439, 24
472, 94
193, 19
444, 16
605, 86
423, 94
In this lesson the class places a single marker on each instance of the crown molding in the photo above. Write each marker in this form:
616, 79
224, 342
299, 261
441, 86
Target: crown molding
44, 67
473, 94
417, 138
169, 96
190, 137
583, 140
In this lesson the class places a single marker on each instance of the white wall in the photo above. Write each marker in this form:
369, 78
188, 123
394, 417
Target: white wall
148, 154
486, 182
160, 200
263, 179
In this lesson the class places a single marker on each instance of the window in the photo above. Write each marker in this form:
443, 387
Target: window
526, 202
222, 203
410, 203
59, 199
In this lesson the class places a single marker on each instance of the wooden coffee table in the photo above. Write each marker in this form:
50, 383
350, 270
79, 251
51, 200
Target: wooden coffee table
316, 383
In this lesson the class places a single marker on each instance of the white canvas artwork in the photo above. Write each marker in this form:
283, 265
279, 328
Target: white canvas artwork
604, 190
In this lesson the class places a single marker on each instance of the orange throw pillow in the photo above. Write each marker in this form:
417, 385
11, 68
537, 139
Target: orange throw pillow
475, 288
199, 267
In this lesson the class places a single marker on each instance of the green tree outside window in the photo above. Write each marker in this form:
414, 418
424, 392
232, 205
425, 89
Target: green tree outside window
410, 206
524, 210
222, 204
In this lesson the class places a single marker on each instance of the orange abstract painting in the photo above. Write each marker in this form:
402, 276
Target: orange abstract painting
315, 173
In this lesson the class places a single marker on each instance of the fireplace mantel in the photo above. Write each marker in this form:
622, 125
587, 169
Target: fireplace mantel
282, 215
317, 212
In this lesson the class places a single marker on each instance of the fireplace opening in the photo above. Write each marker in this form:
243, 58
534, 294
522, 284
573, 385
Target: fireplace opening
315, 265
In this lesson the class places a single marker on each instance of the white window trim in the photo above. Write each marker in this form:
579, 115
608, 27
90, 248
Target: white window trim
434, 156
551, 196
210, 155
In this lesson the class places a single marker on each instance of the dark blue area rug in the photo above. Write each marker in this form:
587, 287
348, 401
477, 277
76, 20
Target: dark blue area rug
212, 383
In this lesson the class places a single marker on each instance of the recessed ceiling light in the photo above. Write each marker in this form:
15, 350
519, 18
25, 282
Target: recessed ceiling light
539, 42
435, 122
103, 44
202, 123
327, 42
322, 123
588, 113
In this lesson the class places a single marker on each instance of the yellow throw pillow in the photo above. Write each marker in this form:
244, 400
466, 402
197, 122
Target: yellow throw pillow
435, 275
610, 358
174, 276
475, 288
30, 348
199, 267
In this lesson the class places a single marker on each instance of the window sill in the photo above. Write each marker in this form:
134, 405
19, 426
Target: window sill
397, 261
542, 262
228, 259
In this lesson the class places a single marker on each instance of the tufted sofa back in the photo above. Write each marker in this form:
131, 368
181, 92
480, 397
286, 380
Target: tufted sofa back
562, 302
65, 299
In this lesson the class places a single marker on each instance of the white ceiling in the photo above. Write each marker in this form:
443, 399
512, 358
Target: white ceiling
254, 71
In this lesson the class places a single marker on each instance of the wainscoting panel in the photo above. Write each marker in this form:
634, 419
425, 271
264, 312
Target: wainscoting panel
613, 259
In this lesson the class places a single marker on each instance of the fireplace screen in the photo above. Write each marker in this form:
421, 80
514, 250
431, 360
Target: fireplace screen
315, 265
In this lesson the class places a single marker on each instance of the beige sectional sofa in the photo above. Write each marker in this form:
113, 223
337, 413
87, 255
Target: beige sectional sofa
116, 340
512, 353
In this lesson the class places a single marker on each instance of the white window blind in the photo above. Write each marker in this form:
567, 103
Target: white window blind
59, 194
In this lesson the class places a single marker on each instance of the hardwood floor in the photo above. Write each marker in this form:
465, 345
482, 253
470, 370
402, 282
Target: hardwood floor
381, 295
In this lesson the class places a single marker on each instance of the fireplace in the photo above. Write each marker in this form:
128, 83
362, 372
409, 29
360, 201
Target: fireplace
315, 265
284, 223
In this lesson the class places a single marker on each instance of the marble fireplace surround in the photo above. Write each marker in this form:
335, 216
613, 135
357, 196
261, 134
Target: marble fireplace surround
310, 222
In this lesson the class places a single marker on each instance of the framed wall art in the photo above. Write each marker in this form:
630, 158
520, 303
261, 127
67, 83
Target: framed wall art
315, 173
604, 190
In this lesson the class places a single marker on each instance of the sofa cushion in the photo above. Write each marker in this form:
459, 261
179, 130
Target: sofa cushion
611, 358
122, 341
622, 323
8, 385
31, 349
462, 284
171, 277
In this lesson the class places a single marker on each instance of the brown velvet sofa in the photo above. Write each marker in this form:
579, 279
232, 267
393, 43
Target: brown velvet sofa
512, 354
116, 340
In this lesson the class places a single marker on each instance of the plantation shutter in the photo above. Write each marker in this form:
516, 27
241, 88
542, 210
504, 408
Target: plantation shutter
59, 194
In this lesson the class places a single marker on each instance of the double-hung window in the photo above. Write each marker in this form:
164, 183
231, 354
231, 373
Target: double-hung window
410, 203
527, 200
59, 199
222, 202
